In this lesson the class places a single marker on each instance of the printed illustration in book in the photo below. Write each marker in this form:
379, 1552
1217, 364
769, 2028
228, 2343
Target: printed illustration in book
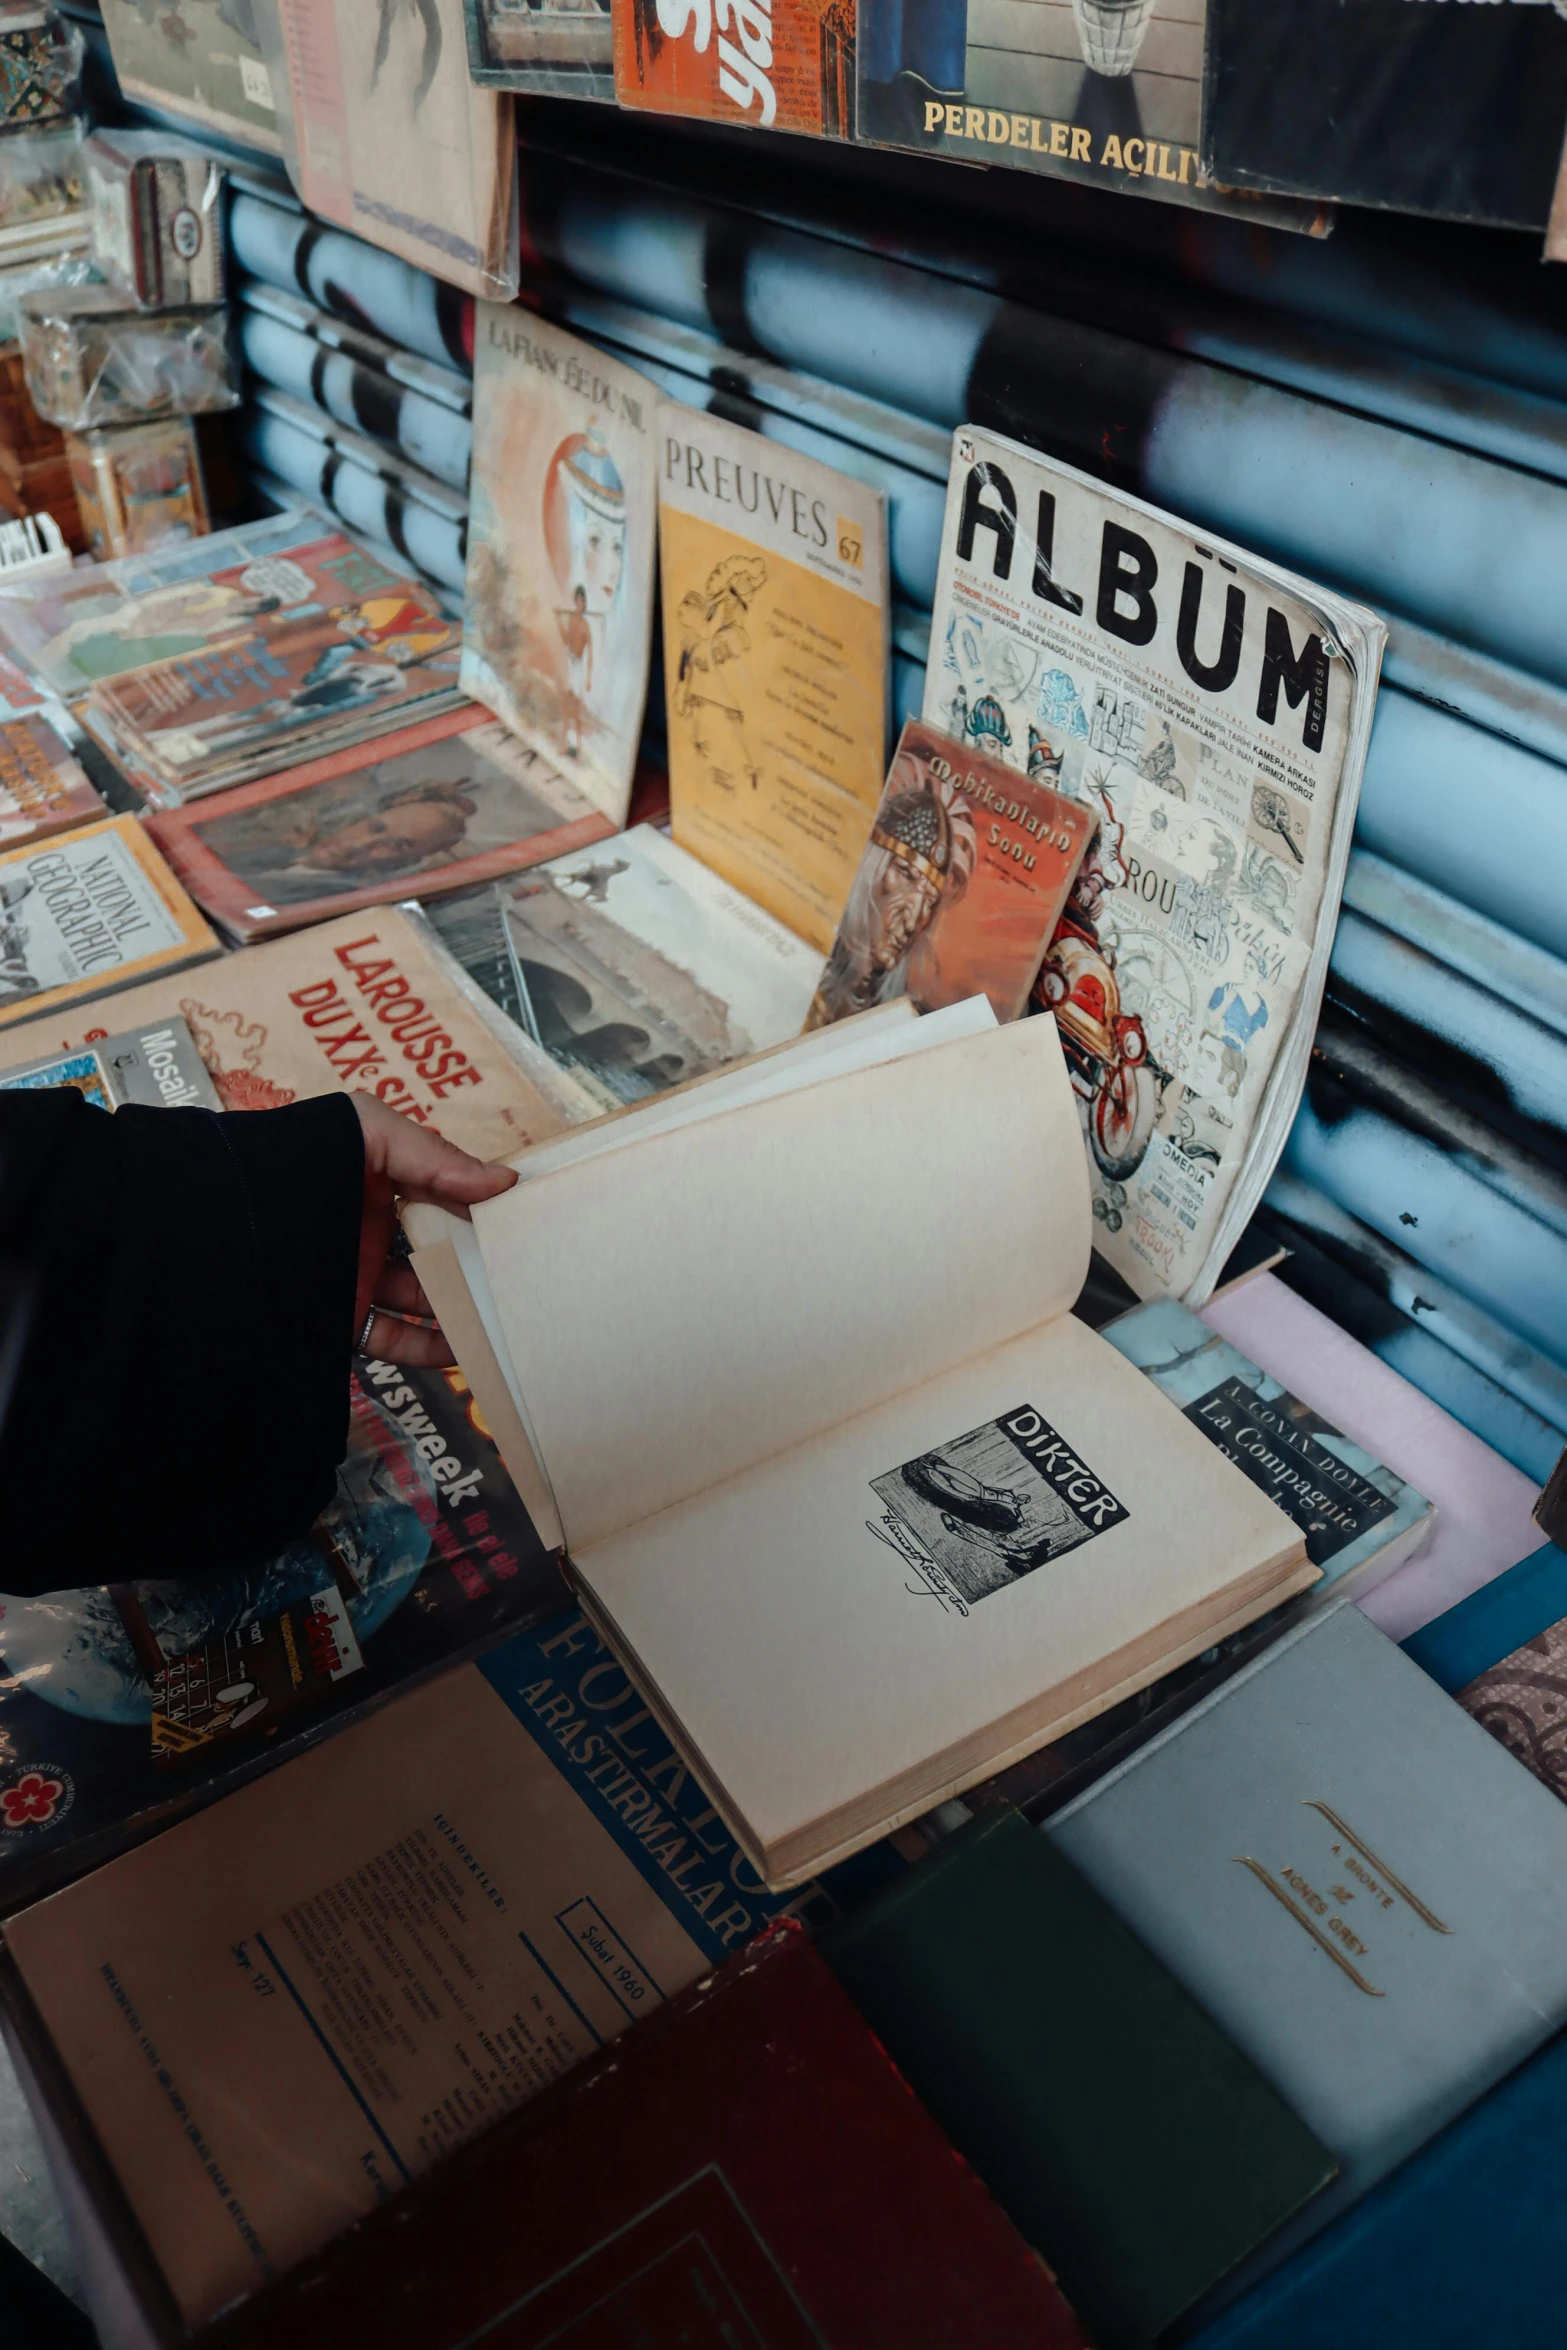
1211, 712
1103, 91
451, 801
632, 964
42, 789
778, 64
325, 642
962, 884
384, 133
562, 535
205, 61
122, 1707
774, 579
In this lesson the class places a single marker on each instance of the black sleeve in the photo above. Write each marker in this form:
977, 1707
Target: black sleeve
181, 1399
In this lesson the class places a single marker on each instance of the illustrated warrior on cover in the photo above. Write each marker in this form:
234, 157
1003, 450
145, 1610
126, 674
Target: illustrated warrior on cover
922, 853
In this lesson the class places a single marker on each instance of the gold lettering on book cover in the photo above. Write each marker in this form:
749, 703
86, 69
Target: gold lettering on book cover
1427, 1917
1245, 1861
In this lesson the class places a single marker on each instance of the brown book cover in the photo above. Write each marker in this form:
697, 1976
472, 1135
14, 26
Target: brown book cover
436, 806
42, 789
964, 879
747, 2168
370, 1003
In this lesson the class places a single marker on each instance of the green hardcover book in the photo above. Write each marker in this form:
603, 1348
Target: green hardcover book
1130, 2141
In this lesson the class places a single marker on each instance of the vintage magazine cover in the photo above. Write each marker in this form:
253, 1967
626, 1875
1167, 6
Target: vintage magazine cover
274, 659
92, 911
387, 136
961, 885
566, 51
452, 801
777, 64
1104, 91
158, 1066
119, 1707
370, 1003
774, 572
561, 543
633, 965
103, 619
42, 789
1212, 712
206, 62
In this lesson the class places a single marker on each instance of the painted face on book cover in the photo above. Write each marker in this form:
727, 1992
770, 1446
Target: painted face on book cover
408, 833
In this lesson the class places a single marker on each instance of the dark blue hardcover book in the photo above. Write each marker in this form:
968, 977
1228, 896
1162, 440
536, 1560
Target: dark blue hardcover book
1504, 1615
1463, 2245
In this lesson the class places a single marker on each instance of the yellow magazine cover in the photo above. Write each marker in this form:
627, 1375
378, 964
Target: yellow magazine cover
775, 653
93, 911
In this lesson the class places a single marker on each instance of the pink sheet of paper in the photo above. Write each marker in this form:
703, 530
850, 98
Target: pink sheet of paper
1483, 1525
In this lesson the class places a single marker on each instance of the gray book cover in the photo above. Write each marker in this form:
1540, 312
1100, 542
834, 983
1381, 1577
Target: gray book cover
1364, 1890
157, 1066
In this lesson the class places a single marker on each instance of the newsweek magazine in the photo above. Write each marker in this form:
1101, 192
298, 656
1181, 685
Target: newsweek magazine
123, 1707
1212, 710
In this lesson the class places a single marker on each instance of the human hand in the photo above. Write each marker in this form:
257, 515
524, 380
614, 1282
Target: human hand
406, 1161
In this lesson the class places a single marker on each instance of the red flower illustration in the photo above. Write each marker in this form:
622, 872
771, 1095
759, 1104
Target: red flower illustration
31, 1801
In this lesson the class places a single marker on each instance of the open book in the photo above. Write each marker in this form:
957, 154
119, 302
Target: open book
784, 1362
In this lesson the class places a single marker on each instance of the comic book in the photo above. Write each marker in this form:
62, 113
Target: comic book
1212, 711
962, 883
273, 662
124, 1706
208, 66
42, 789
561, 543
774, 576
384, 133
435, 807
777, 64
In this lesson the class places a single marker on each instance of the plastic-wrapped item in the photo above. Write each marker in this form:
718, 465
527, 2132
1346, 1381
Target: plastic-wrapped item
156, 229
93, 357
73, 267
40, 65
40, 175
138, 486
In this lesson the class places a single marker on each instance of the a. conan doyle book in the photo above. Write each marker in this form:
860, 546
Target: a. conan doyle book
559, 613
369, 1003
502, 1840
384, 134
448, 802
42, 789
209, 68
797, 1485
633, 964
1455, 112
1358, 1885
1359, 1517
88, 913
775, 608
775, 64
1128, 2139
158, 1066
961, 886
288, 658
565, 51
123, 1708
1212, 710
774, 2184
